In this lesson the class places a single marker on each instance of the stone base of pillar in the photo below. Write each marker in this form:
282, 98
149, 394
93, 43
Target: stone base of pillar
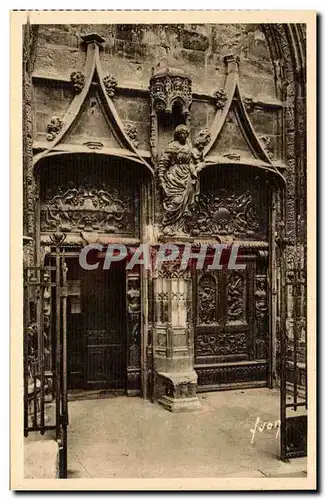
178, 391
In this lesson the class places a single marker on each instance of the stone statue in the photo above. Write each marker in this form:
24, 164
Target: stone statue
177, 172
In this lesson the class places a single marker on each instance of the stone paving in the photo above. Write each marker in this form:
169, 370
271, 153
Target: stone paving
132, 438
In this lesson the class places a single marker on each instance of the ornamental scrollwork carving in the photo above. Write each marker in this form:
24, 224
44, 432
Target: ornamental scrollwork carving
87, 208
110, 83
131, 131
77, 79
170, 86
220, 98
53, 128
178, 176
221, 344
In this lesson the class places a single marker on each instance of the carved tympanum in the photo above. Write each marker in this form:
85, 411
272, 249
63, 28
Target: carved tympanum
53, 128
178, 175
110, 84
87, 208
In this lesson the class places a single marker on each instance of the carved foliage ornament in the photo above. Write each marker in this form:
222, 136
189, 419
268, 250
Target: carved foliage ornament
54, 127
220, 98
78, 80
168, 88
248, 103
110, 84
131, 132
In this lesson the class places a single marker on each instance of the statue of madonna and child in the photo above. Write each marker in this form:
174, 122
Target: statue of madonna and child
178, 175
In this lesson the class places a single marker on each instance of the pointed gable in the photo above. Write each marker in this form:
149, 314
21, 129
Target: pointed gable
232, 121
92, 113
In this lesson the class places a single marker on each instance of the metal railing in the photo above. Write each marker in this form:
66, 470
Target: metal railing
45, 353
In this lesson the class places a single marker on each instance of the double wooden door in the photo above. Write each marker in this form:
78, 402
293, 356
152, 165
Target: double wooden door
96, 313
231, 327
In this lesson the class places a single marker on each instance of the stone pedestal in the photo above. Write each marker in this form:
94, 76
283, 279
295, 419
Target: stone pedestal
179, 391
175, 380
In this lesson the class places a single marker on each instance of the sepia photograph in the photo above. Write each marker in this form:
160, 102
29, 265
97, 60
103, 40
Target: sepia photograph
163, 187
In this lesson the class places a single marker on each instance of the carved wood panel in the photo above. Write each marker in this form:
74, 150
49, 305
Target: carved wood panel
230, 324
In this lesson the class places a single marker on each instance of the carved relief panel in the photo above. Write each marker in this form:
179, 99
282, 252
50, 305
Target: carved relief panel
207, 296
236, 298
261, 307
230, 205
133, 331
76, 203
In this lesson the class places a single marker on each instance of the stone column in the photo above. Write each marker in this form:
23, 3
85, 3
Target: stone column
175, 377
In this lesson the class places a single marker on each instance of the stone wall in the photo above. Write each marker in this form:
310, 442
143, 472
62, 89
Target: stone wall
131, 51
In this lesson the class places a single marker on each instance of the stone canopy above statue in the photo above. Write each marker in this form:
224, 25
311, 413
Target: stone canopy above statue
169, 86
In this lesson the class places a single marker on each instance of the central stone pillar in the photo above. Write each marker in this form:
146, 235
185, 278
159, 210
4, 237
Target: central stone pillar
175, 377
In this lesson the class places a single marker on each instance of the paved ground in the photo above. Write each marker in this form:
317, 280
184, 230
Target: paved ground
130, 437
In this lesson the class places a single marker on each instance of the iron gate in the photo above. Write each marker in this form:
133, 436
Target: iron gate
293, 358
45, 353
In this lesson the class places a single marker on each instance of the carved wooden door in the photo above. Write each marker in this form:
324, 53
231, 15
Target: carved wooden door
105, 329
228, 352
